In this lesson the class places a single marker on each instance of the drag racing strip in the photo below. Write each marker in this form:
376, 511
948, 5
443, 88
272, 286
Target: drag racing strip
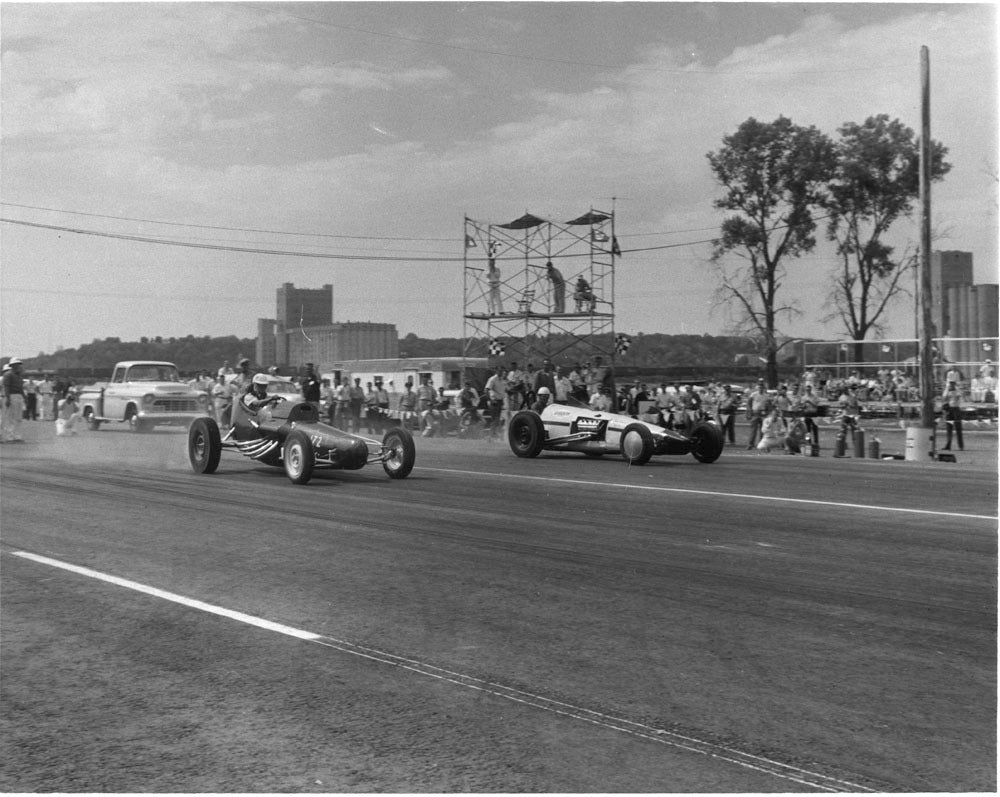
717, 493
788, 772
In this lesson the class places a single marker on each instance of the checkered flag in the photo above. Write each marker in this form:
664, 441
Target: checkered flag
622, 342
496, 348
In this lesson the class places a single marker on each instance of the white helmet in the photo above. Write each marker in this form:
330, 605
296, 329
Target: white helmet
260, 379
544, 391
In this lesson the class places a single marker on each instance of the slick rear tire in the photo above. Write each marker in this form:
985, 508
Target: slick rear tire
707, 442
637, 444
526, 434
400, 453
298, 457
204, 445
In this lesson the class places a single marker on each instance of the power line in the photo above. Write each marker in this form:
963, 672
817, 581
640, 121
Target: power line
226, 229
287, 253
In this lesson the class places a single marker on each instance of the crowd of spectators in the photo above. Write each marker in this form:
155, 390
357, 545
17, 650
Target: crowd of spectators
783, 417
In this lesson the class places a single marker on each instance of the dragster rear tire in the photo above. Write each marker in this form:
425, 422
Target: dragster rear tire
400, 453
526, 434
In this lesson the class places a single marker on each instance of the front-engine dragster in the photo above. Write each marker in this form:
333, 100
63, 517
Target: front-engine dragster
290, 435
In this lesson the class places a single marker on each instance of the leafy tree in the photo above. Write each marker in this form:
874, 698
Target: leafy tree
877, 182
775, 176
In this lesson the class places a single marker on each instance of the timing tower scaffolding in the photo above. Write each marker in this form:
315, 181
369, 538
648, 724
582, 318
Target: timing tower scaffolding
538, 289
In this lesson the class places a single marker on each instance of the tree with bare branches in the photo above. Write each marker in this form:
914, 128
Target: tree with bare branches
775, 176
876, 183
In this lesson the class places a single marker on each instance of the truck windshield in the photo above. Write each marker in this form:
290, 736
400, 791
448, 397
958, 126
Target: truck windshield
153, 373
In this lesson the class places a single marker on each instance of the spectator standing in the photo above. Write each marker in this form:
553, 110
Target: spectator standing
496, 392
382, 403
225, 370
222, 400
951, 409
758, 407
30, 399
545, 378
728, 405
312, 388
326, 400
516, 388
242, 379
808, 407
45, 398
468, 401
558, 288
13, 401
408, 405
494, 304
426, 396
564, 387
356, 396
578, 383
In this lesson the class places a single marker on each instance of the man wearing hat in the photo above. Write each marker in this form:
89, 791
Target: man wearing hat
13, 402
311, 386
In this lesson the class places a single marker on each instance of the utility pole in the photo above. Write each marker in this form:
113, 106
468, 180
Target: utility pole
926, 322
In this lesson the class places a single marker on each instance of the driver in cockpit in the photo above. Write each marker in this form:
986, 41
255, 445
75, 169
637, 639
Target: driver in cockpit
256, 398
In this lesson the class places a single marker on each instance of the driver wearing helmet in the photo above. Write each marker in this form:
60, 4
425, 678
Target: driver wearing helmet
256, 398
542, 399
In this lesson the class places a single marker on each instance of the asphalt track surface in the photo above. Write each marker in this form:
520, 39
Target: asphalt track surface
493, 624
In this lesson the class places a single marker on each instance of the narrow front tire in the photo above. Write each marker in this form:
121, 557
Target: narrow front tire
204, 445
298, 457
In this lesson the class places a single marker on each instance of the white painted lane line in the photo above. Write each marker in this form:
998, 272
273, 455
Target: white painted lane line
717, 493
729, 755
170, 596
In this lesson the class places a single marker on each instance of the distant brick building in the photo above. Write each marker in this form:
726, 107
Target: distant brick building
304, 331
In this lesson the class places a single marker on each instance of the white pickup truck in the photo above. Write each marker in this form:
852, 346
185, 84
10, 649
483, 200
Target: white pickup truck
143, 394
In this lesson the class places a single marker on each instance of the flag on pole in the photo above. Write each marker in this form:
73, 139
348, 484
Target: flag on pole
470, 242
598, 237
615, 249
496, 348
622, 342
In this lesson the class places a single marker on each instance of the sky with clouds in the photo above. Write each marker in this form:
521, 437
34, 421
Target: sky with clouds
145, 144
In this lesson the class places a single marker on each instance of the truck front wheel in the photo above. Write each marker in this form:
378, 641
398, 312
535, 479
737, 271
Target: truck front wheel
135, 423
91, 419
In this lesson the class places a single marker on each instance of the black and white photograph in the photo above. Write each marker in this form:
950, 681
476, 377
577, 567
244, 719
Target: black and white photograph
499, 397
